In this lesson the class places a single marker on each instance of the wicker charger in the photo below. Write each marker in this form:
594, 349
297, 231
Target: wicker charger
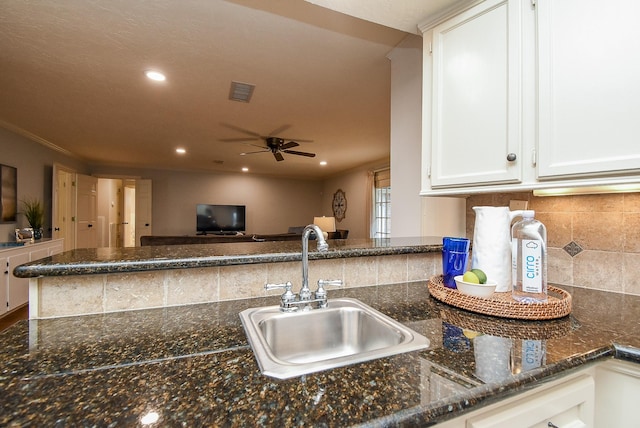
558, 304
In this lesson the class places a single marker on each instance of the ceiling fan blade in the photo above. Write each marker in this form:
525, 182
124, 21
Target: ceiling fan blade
257, 151
280, 130
278, 156
289, 145
300, 140
244, 131
236, 140
294, 152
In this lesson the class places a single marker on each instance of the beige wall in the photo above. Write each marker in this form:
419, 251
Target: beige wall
273, 204
34, 163
355, 185
604, 230
406, 137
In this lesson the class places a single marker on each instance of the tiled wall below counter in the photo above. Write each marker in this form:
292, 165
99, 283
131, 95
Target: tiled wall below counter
593, 240
52, 297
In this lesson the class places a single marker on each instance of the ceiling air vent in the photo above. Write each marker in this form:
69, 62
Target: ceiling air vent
241, 92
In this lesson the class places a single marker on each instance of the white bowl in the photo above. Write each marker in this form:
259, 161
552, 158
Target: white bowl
477, 290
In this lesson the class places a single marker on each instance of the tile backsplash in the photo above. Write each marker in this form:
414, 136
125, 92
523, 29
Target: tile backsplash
593, 240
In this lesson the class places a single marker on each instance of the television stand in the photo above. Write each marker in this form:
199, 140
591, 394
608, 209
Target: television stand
221, 233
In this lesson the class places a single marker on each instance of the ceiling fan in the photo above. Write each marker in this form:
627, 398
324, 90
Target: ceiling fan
275, 145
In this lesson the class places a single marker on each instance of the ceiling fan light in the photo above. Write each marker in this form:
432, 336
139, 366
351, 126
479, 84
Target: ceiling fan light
241, 92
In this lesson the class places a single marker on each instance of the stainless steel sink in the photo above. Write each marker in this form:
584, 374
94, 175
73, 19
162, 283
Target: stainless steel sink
346, 332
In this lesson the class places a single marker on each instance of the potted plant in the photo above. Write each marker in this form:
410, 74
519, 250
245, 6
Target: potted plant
33, 210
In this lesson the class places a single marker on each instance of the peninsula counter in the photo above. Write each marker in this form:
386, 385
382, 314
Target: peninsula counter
100, 280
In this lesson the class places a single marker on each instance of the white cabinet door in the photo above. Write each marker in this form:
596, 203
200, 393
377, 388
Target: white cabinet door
18, 290
568, 405
4, 285
476, 119
565, 402
56, 247
589, 87
617, 392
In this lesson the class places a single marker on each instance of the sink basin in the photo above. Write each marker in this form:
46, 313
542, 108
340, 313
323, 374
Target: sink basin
346, 332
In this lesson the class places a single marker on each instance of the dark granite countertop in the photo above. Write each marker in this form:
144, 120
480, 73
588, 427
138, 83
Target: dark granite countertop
89, 261
192, 365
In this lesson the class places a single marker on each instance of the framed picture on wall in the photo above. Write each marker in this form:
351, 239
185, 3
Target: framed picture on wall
8, 194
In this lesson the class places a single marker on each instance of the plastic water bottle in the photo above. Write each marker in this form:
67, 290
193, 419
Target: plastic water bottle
529, 259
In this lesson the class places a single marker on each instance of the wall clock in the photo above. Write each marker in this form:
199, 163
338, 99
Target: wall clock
339, 204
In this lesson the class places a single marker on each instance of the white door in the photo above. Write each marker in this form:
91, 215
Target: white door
86, 214
143, 209
63, 205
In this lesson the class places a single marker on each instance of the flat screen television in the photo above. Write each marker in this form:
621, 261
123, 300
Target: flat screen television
220, 218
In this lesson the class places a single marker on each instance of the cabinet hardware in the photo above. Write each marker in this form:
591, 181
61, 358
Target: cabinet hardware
551, 425
511, 157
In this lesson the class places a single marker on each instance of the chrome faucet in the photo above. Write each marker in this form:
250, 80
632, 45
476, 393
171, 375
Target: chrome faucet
305, 292
289, 302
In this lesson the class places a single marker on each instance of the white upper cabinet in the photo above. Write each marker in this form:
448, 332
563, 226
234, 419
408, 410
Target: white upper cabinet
589, 87
476, 114
532, 94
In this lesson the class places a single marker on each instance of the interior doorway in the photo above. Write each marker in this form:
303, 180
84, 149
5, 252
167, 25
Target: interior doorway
129, 210
124, 211
97, 212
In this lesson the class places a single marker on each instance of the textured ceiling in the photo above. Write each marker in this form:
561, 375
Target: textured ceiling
72, 75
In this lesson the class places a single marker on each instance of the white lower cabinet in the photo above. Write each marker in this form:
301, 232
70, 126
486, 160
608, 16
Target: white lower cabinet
17, 288
14, 292
604, 395
564, 403
617, 393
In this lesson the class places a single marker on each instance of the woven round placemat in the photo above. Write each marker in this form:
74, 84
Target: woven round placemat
558, 304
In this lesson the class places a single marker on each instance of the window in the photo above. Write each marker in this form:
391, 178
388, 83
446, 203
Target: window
381, 227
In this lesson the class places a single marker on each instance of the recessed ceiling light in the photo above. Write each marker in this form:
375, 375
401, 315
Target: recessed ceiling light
323, 163
181, 151
245, 169
155, 75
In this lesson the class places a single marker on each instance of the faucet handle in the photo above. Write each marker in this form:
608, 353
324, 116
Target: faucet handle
321, 293
288, 295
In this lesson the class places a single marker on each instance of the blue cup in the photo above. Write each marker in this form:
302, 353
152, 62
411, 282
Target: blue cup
455, 244
455, 259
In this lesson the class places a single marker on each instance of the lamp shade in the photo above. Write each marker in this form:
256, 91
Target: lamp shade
327, 224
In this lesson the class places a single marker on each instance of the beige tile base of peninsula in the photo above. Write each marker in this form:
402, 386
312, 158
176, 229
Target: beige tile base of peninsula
52, 297
66, 295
